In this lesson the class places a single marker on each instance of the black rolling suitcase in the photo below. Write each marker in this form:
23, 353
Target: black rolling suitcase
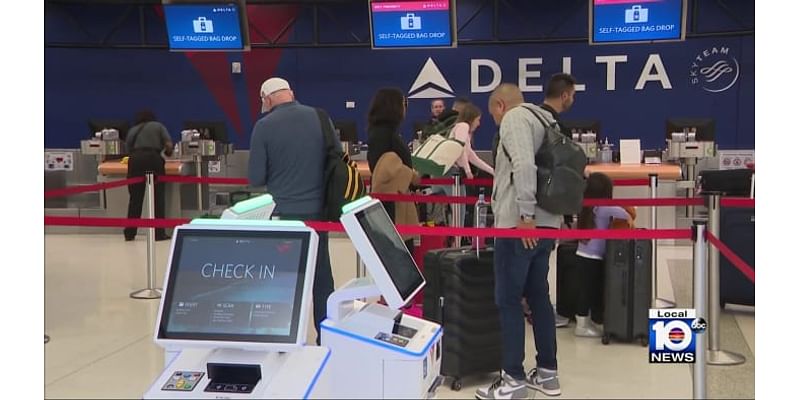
627, 290
567, 279
459, 295
738, 231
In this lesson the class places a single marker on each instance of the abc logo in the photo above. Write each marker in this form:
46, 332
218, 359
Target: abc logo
699, 325
675, 335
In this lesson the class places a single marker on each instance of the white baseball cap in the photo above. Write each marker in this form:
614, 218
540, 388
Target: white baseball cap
273, 85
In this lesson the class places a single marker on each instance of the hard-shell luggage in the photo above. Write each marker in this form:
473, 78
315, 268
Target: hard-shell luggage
567, 285
459, 295
627, 290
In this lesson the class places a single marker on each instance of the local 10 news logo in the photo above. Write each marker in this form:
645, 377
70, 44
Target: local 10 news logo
673, 335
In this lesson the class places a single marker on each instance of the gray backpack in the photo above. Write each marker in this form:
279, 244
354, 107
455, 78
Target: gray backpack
560, 166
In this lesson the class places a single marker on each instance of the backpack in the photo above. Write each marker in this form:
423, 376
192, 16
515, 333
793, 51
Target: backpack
560, 163
441, 128
343, 183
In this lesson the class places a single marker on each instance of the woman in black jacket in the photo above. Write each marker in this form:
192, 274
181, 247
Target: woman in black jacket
386, 112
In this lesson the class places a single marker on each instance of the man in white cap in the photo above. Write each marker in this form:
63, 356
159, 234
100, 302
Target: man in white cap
287, 154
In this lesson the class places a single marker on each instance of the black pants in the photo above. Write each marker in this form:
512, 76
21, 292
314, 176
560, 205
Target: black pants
591, 286
139, 163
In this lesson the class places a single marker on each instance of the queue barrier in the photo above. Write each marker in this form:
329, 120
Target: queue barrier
704, 240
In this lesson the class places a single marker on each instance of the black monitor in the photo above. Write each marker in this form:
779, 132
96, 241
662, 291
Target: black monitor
705, 127
582, 125
237, 284
347, 130
211, 130
97, 125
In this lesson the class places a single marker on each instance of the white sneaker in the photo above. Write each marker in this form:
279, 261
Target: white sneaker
544, 380
504, 387
586, 328
561, 321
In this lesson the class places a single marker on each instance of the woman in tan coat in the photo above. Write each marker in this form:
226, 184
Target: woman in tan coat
389, 158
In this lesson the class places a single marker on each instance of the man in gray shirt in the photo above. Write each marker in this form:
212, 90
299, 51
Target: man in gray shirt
145, 141
521, 265
287, 154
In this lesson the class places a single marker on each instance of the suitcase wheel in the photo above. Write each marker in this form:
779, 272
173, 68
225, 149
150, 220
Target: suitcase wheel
644, 341
456, 385
606, 339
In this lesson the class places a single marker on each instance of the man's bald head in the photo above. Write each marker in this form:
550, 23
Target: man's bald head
504, 98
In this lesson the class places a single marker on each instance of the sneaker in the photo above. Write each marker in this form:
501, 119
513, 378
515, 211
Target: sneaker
584, 327
561, 321
544, 380
505, 387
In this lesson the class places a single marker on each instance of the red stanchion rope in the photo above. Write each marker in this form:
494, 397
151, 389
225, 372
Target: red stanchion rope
738, 202
91, 188
488, 182
208, 180
114, 222
404, 229
737, 262
643, 202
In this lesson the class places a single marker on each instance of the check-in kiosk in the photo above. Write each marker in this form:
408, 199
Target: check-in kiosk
376, 350
235, 312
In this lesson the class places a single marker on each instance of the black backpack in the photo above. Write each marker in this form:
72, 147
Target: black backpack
343, 183
560, 165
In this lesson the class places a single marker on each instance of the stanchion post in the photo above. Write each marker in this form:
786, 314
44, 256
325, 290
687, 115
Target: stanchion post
458, 216
198, 162
655, 301
150, 292
699, 300
715, 355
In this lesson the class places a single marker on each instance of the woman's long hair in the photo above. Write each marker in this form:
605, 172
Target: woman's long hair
598, 186
387, 107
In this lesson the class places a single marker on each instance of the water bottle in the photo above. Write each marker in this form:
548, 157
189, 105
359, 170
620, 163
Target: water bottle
481, 217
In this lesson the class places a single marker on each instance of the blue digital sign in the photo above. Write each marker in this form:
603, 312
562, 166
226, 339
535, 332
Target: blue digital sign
614, 21
203, 26
408, 24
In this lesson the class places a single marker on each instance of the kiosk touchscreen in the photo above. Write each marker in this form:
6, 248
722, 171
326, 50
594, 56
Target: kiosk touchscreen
235, 306
376, 350
260, 207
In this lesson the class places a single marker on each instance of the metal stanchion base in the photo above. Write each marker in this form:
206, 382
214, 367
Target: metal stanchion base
147, 294
46, 339
723, 357
664, 303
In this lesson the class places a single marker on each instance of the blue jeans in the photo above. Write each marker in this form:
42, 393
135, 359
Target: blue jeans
323, 276
522, 272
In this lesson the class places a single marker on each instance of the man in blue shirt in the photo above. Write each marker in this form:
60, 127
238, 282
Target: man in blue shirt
287, 154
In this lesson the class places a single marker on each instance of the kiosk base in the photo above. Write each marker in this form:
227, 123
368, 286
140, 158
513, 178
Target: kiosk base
211, 373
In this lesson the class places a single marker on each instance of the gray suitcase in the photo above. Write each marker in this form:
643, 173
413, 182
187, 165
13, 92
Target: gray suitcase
627, 290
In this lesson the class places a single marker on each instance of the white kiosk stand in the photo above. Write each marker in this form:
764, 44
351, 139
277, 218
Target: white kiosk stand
235, 312
377, 351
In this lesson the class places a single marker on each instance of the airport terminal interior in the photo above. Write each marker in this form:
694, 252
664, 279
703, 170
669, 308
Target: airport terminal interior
179, 264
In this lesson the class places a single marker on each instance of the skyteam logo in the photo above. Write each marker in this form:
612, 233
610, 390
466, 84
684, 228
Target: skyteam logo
715, 70
430, 83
